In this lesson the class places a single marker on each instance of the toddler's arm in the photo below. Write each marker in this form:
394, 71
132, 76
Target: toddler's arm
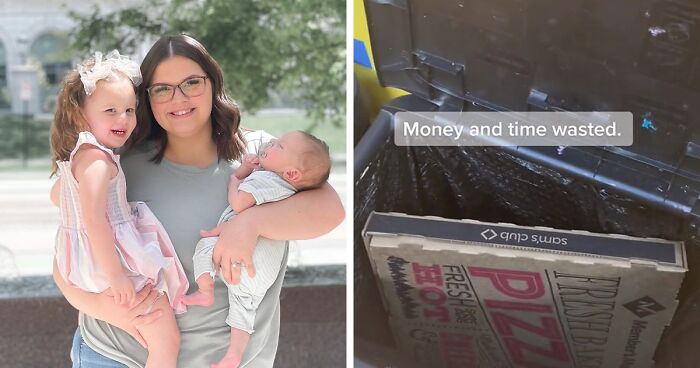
93, 170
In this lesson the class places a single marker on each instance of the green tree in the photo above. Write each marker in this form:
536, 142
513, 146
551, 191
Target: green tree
296, 47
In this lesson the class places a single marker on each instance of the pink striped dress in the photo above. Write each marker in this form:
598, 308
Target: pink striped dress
143, 246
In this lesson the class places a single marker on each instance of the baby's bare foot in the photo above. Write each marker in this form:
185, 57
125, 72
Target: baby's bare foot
199, 298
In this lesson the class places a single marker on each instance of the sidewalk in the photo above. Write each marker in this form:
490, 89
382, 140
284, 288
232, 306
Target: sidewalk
28, 223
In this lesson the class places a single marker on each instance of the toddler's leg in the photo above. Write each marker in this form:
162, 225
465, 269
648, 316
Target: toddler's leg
239, 339
162, 337
205, 295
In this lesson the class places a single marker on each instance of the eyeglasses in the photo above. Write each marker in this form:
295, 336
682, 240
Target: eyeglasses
190, 87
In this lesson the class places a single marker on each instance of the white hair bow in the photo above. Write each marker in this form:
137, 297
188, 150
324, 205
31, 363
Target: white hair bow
105, 68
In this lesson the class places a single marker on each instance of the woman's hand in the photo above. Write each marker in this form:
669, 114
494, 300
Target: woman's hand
129, 317
237, 239
101, 306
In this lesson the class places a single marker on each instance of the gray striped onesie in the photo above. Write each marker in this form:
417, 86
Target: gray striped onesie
244, 298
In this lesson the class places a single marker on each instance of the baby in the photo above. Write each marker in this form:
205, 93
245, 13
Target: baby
295, 162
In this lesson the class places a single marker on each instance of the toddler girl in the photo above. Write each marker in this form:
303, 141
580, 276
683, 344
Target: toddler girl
105, 243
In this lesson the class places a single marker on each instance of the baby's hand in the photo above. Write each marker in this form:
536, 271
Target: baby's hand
249, 163
122, 289
250, 160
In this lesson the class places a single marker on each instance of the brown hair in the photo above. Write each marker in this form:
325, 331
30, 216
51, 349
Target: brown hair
315, 163
225, 115
68, 121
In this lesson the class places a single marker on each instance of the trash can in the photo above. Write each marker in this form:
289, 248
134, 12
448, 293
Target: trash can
486, 184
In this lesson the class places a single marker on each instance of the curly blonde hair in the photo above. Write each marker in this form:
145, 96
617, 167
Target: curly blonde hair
68, 121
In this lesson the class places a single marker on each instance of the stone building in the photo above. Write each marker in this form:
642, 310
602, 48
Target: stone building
34, 54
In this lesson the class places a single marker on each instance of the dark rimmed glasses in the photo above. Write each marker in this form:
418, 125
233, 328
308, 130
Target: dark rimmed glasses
190, 87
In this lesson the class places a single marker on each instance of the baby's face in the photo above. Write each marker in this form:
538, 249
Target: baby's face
284, 153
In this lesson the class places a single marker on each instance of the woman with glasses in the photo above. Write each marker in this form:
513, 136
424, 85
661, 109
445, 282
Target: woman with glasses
183, 151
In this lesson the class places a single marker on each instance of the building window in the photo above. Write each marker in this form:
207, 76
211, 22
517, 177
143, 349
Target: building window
51, 51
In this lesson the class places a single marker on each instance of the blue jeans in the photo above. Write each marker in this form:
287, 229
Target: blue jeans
84, 357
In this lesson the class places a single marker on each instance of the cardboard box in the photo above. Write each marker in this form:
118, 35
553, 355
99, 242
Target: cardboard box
463, 293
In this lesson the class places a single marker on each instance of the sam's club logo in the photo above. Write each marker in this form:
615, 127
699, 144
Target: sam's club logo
488, 234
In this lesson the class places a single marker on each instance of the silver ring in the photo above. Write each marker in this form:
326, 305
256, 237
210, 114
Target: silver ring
236, 264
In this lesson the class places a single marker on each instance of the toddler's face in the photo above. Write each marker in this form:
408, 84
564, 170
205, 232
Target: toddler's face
283, 154
110, 112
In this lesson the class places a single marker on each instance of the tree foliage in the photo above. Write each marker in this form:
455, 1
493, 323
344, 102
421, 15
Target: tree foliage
294, 47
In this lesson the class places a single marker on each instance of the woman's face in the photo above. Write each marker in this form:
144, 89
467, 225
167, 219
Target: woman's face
182, 116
